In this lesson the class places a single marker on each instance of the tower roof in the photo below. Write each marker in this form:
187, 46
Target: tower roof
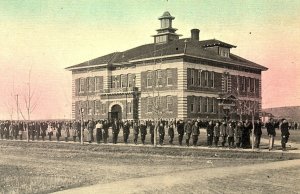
166, 15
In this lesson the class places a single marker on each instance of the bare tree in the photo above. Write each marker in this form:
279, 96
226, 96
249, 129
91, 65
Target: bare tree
30, 100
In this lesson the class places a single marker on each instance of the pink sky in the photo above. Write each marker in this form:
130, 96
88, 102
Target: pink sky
48, 37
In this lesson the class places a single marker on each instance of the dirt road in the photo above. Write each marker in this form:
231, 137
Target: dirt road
199, 178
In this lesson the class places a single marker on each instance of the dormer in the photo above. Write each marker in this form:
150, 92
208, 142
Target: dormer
218, 47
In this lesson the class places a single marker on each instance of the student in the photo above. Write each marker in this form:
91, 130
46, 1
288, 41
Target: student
284, 134
143, 129
270, 125
210, 133
216, 134
238, 134
195, 133
136, 132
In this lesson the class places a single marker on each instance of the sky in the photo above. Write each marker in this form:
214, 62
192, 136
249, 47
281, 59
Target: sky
44, 37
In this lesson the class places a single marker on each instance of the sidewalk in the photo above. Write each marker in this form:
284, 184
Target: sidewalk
295, 147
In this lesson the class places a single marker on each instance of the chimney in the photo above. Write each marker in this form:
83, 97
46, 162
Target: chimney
195, 34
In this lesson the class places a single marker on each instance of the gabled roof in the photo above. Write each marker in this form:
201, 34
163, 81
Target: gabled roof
188, 47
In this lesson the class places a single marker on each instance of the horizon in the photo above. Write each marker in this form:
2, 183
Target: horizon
48, 36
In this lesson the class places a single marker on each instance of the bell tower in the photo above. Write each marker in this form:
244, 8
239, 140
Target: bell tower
166, 33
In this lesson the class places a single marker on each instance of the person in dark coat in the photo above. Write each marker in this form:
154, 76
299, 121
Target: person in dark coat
143, 129
115, 131
99, 127
210, 133
58, 130
238, 134
31, 128
246, 134
223, 133
2, 126
230, 132
171, 132
161, 131
136, 132
270, 125
151, 129
216, 134
105, 131
195, 133
43, 130
37, 130
180, 131
90, 128
126, 131
257, 132
188, 132
284, 134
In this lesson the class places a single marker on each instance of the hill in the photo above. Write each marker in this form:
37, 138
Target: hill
290, 112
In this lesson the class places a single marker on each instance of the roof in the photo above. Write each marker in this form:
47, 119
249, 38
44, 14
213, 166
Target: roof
188, 47
166, 15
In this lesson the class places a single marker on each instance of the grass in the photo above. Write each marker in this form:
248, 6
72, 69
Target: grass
38, 167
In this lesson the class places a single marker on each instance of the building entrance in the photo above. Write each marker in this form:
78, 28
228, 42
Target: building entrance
116, 112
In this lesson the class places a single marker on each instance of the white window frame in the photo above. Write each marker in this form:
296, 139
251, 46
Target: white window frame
200, 77
212, 78
81, 87
200, 105
192, 77
206, 78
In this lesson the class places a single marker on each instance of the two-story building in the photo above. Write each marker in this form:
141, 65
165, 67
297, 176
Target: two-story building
170, 78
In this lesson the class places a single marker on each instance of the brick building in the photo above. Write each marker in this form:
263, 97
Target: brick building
170, 78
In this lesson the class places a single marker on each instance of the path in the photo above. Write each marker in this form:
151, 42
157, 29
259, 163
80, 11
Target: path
156, 183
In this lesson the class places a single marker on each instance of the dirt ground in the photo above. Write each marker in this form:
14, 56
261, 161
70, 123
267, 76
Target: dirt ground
43, 167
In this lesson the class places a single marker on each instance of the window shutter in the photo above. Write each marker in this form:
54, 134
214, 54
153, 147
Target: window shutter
189, 77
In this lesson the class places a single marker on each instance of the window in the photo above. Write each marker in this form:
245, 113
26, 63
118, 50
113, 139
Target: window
97, 107
206, 78
91, 83
193, 105
129, 107
149, 79
205, 104
149, 104
103, 108
248, 84
244, 84
212, 79
123, 81
81, 85
169, 103
200, 104
199, 77
115, 82
169, 77
129, 80
159, 78
254, 85
97, 84
211, 105
192, 77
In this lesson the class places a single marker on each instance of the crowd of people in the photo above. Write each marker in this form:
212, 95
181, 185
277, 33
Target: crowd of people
232, 134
